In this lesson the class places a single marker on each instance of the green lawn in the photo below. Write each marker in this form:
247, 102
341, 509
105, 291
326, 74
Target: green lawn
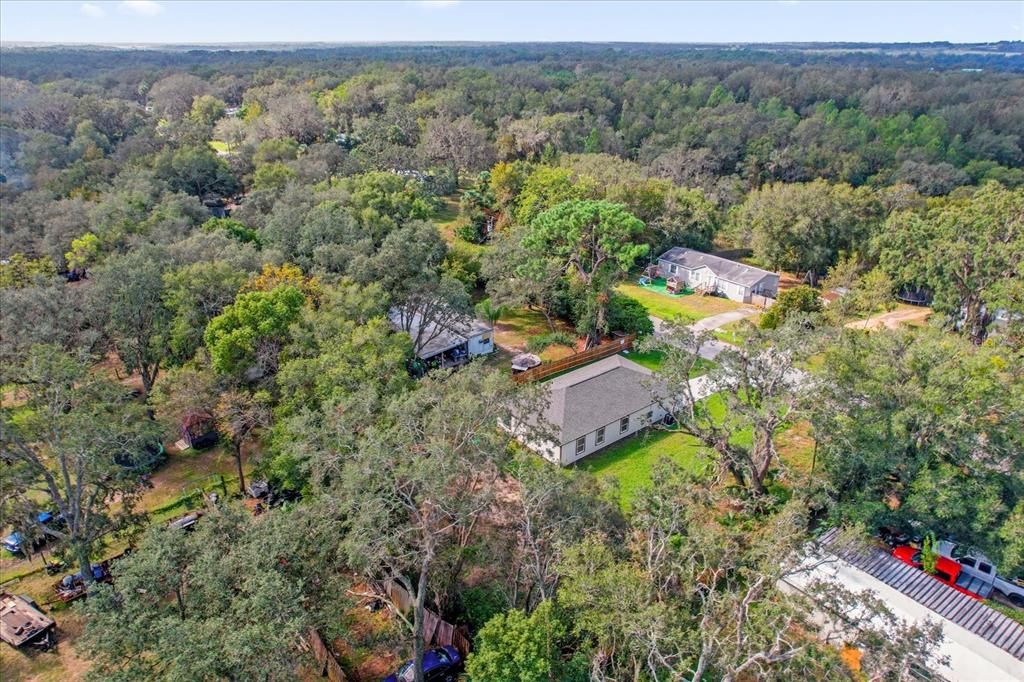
689, 308
630, 462
653, 359
218, 146
736, 332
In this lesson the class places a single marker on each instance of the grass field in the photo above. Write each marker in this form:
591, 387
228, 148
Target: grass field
516, 327
735, 332
689, 308
631, 461
653, 360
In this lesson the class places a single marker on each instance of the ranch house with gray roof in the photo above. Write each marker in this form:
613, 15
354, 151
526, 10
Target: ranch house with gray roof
733, 280
590, 408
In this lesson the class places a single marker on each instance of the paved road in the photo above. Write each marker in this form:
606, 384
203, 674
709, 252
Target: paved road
711, 348
722, 319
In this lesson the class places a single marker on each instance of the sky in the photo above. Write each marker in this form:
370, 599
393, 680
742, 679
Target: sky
188, 21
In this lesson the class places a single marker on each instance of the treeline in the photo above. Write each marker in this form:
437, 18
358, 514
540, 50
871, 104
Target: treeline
724, 125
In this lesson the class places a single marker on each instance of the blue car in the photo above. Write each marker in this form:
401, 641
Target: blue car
439, 665
12, 543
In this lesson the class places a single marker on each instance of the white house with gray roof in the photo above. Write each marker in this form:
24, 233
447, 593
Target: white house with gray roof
446, 343
733, 280
592, 407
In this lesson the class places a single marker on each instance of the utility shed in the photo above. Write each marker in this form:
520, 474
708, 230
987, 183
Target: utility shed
979, 642
22, 623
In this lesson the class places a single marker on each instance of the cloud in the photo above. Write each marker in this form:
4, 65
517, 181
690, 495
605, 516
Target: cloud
145, 8
91, 10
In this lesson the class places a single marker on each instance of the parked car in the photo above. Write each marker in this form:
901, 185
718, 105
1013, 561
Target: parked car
439, 665
982, 571
13, 542
946, 571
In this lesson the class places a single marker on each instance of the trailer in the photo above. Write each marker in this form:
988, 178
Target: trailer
22, 624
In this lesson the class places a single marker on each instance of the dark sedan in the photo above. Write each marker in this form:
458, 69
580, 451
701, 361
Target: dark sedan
439, 665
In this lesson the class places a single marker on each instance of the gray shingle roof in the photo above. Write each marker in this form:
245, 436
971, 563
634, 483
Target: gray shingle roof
955, 606
738, 273
596, 395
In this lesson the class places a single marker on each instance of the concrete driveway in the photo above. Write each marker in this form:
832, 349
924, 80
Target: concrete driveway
711, 349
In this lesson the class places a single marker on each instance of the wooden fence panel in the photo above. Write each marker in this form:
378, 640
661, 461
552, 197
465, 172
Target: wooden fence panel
327, 665
436, 632
573, 361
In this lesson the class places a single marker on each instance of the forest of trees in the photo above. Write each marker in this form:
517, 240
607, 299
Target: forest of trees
232, 228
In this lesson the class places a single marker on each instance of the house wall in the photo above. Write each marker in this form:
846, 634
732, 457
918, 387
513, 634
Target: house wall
637, 422
704, 275
767, 286
481, 344
548, 449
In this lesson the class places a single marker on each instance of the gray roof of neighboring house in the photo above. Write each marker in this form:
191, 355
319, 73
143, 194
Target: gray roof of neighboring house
596, 395
456, 334
968, 613
738, 273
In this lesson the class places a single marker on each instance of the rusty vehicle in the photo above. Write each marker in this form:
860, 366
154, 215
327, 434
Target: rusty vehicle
72, 586
23, 624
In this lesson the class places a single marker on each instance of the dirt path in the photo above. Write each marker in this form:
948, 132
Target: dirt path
892, 319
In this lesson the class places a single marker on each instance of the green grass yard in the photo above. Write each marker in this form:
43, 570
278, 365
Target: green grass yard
631, 461
653, 360
687, 307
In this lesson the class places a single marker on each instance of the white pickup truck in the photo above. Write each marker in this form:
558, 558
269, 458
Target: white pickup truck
978, 574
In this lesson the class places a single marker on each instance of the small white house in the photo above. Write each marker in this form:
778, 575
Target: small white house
592, 407
450, 344
733, 280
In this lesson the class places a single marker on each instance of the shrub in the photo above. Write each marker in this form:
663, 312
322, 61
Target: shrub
803, 299
629, 316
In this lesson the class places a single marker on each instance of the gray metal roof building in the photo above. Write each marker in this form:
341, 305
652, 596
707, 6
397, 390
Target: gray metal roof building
970, 614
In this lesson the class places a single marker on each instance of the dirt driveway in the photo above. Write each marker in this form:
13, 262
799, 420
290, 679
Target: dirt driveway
891, 320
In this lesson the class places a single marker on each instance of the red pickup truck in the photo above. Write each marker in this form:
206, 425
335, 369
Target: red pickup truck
946, 570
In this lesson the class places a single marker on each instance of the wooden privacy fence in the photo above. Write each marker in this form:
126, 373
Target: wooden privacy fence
556, 366
327, 665
436, 632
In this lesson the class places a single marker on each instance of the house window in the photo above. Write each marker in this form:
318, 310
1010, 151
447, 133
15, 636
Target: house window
484, 340
624, 425
581, 445
600, 436
673, 269
650, 416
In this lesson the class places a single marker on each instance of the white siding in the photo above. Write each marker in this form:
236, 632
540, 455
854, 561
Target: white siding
637, 422
481, 344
